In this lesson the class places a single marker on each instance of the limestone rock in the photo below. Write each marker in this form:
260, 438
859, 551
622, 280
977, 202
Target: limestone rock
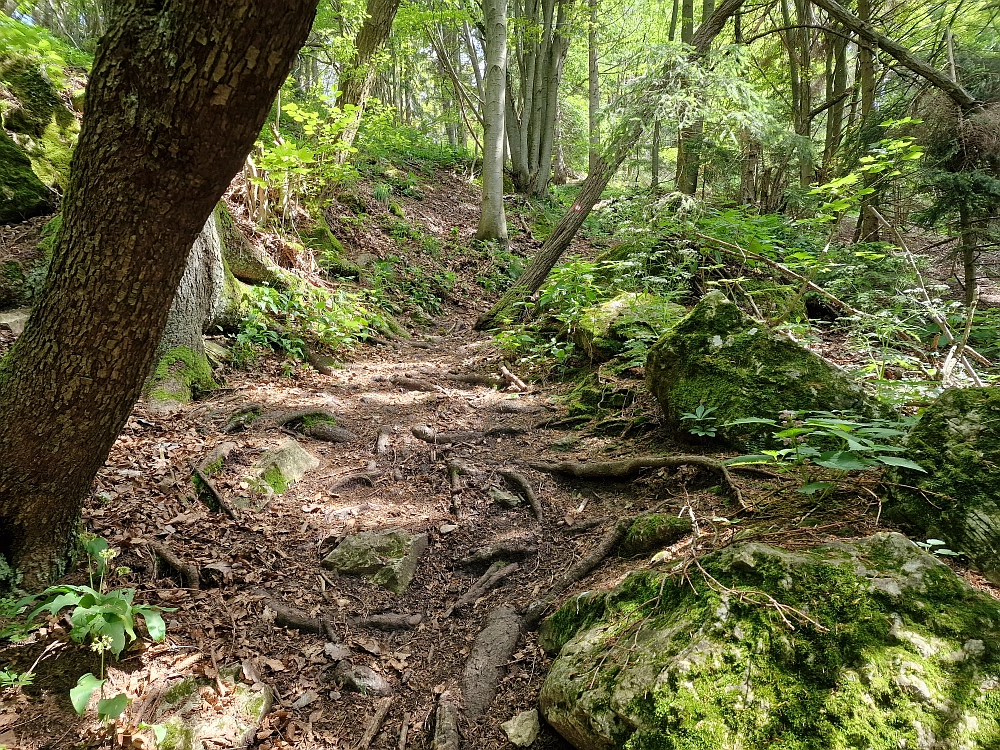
523, 729
22, 194
233, 722
884, 647
389, 559
14, 320
360, 679
604, 330
957, 440
280, 467
719, 357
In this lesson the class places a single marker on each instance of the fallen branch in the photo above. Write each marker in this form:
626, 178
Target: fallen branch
536, 610
455, 471
190, 575
496, 573
446, 724
513, 380
629, 468
289, 617
213, 492
503, 551
517, 481
484, 380
381, 711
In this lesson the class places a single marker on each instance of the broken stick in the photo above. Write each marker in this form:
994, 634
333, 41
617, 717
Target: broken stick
518, 482
381, 711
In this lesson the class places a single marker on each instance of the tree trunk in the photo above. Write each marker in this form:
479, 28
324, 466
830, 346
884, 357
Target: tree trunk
593, 89
836, 93
970, 246
177, 95
356, 81
654, 154
868, 228
492, 220
615, 153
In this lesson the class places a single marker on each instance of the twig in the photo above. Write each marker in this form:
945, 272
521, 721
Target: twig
520, 483
381, 711
289, 617
496, 573
213, 491
403, 731
513, 379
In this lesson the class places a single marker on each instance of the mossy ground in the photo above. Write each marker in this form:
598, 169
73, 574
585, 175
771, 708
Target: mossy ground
22, 194
857, 666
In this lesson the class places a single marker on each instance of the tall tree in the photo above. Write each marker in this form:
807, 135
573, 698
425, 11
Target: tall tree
492, 219
178, 94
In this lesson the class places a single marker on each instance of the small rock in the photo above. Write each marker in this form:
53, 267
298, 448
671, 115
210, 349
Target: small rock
14, 320
305, 699
281, 466
388, 559
505, 498
523, 729
336, 651
360, 679
447, 528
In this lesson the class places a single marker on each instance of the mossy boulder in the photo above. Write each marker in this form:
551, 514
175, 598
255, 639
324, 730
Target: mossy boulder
388, 559
188, 716
22, 194
653, 531
719, 357
282, 466
606, 329
957, 441
869, 644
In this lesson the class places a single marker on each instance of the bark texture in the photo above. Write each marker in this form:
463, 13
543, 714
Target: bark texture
177, 95
492, 219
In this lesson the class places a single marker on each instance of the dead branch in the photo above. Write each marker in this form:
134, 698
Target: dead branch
517, 481
446, 724
190, 575
513, 380
403, 730
628, 468
213, 492
289, 617
381, 711
217, 455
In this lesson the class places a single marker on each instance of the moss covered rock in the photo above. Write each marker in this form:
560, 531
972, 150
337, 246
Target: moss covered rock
180, 374
957, 440
282, 466
653, 531
871, 644
604, 330
389, 559
22, 194
719, 357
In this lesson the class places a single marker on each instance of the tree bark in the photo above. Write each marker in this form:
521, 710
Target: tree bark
492, 219
593, 89
177, 96
356, 81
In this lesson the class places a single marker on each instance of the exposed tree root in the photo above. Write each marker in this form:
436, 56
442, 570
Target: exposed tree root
456, 469
216, 457
629, 468
367, 475
413, 384
484, 380
429, 435
446, 724
204, 484
503, 551
488, 659
537, 609
381, 711
289, 617
190, 574
519, 407
517, 481
496, 573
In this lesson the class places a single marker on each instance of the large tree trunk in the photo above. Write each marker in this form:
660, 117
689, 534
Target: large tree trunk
868, 228
492, 220
593, 90
615, 153
178, 93
356, 81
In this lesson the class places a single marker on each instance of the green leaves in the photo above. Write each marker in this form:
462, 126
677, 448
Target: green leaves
85, 687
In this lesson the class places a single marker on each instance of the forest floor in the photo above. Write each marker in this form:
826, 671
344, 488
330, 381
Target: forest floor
271, 552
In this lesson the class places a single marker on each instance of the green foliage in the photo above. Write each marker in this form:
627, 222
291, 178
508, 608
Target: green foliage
840, 443
702, 423
10, 678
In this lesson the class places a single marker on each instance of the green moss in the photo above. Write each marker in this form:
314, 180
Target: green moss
719, 357
957, 440
180, 374
37, 96
22, 194
179, 692
872, 667
313, 420
275, 480
652, 531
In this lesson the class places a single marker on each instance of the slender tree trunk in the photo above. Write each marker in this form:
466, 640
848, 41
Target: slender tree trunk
970, 246
356, 81
177, 96
615, 153
654, 160
868, 229
593, 89
492, 220
691, 136
837, 93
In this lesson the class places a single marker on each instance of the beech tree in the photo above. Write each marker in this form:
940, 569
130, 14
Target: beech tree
178, 93
492, 221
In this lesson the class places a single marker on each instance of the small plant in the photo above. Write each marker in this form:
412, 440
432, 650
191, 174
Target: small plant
937, 547
840, 443
104, 616
10, 678
382, 193
703, 423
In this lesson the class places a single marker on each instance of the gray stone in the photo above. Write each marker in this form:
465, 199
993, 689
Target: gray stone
504, 497
523, 729
231, 721
957, 498
282, 466
865, 644
389, 559
360, 679
14, 320
720, 358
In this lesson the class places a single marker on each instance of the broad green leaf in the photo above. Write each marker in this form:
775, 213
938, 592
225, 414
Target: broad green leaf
842, 461
902, 462
750, 459
814, 487
85, 687
750, 420
936, 542
112, 708
154, 623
